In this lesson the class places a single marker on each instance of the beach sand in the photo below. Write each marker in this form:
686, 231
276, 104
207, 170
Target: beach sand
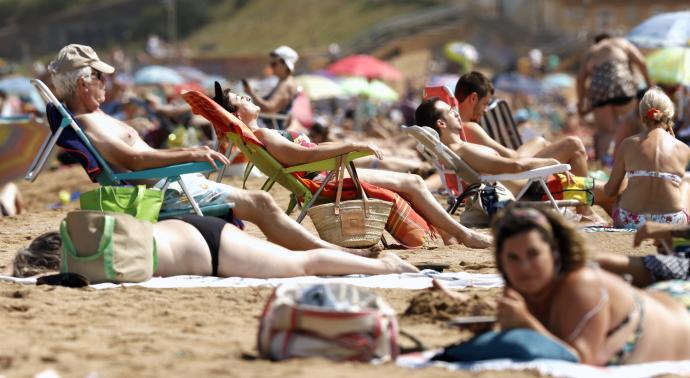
203, 332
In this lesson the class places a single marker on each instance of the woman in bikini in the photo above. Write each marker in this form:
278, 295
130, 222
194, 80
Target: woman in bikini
600, 318
198, 245
648, 169
293, 151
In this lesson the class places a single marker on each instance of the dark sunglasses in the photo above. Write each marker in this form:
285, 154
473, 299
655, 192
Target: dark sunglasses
98, 74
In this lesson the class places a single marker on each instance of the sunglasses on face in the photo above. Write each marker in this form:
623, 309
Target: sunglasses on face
98, 75
233, 108
274, 63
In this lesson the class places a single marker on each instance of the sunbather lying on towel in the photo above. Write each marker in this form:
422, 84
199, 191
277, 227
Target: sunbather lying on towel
669, 264
550, 288
79, 79
446, 121
411, 187
206, 246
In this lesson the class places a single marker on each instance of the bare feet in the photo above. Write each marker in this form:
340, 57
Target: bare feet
477, 240
435, 285
396, 264
372, 251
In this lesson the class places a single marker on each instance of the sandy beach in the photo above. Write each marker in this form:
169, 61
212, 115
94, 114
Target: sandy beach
205, 332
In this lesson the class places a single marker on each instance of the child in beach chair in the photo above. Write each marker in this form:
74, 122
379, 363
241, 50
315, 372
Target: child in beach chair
209, 246
377, 183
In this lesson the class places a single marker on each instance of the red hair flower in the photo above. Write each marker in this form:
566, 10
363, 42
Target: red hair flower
652, 114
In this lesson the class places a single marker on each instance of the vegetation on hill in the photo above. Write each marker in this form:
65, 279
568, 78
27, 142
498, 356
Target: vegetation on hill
225, 27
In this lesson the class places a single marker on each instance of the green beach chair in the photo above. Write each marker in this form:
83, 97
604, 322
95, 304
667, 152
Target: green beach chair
238, 134
66, 133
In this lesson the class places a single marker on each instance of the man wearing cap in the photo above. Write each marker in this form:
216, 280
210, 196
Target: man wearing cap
79, 78
279, 99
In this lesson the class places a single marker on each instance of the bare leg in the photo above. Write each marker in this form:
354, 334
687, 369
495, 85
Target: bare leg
621, 264
531, 148
413, 189
259, 208
569, 150
394, 163
604, 122
246, 256
10, 199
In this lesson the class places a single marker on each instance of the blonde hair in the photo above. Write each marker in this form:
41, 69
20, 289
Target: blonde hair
656, 108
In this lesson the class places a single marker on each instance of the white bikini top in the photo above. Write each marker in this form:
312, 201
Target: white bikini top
675, 179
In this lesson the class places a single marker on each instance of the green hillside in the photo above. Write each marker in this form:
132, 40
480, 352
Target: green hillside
259, 25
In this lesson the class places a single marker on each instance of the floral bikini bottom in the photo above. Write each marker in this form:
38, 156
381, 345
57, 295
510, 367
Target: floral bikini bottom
627, 219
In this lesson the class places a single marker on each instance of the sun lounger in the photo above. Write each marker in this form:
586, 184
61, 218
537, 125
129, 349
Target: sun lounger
66, 132
499, 124
235, 131
429, 140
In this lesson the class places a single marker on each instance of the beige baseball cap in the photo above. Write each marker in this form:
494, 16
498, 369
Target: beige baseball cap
75, 56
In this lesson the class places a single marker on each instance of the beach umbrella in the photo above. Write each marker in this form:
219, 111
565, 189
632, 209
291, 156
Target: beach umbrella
516, 83
662, 30
22, 88
20, 140
158, 75
461, 52
670, 65
318, 87
374, 89
366, 66
556, 81
190, 73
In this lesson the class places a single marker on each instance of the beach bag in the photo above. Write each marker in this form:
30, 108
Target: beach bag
355, 223
108, 247
484, 200
336, 321
137, 201
581, 189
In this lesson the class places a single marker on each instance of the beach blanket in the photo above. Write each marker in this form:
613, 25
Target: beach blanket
556, 368
410, 281
607, 229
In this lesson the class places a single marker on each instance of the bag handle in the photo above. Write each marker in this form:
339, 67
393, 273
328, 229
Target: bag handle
340, 177
138, 189
105, 244
355, 178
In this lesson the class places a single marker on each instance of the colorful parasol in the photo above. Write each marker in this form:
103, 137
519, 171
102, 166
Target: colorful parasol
670, 65
20, 140
366, 66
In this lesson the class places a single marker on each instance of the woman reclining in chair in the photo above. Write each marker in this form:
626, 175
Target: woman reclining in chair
209, 246
410, 187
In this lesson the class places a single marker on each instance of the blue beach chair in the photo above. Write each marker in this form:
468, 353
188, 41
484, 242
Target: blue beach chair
66, 133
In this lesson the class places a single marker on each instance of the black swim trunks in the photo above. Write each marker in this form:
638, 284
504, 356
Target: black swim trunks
3, 211
210, 228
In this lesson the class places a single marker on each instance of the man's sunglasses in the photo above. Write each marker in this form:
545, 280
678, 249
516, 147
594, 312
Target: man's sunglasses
98, 74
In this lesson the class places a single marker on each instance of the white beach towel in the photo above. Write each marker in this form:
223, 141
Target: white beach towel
554, 368
410, 281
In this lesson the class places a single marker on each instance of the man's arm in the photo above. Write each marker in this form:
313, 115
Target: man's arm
476, 134
289, 153
486, 161
118, 153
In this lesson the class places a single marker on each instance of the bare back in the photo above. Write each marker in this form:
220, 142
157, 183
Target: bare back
654, 151
607, 50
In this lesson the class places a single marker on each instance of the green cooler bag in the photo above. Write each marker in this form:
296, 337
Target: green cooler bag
108, 247
137, 201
